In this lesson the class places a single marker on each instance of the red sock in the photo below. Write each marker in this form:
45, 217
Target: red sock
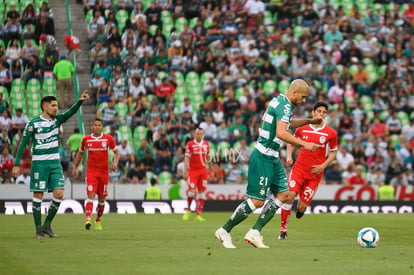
101, 207
88, 209
200, 205
190, 196
284, 218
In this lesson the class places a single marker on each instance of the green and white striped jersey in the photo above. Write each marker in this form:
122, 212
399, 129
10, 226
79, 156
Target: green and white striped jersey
279, 108
44, 135
108, 114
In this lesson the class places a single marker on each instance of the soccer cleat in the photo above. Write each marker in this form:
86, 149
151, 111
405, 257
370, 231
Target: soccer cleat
187, 215
48, 230
224, 237
88, 225
283, 235
299, 214
40, 235
198, 218
254, 238
98, 226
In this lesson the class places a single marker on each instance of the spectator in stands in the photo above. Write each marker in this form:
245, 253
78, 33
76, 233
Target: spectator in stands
5, 120
163, 162
100, 89
378, 128
110, 116
44, 26
5, 76
234, 174
153, 14
358, 178
165, 90
72, 44
143, 149
34, 69
333, 174
344, 158
230, 106
14, 51
28, 50
375, 176
63, 71
13, 28
137, 175
113, 131
393, 124
215, 174
4, 105
50, 46
95, 29
18, 122
98, 53
28, 15
74, 141
125, 152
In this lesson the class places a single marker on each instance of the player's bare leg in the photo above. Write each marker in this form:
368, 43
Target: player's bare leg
301, 209
88, 210
53, 209
200, 206
100, 210
285, 215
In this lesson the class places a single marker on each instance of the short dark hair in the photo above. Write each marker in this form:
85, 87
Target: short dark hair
47, 99
76, 130
96, 119
320, 104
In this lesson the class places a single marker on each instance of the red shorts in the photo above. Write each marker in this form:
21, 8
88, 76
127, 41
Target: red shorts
97, 184
304, 184
197, 179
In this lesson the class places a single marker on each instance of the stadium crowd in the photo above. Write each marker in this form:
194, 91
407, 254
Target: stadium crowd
161, 68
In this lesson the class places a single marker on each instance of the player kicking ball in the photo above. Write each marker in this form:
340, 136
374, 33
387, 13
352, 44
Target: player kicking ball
97, 173
195, 173
308, 169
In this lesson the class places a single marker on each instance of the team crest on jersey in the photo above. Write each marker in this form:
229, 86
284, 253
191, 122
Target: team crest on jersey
292, 183
90, 187
103, 144
322, 139
30, 129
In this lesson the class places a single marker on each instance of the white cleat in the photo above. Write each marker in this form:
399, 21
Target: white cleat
224, 237
254, 238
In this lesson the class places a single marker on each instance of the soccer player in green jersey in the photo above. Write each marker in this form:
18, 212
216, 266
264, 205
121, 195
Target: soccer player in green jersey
46, 173
266, 171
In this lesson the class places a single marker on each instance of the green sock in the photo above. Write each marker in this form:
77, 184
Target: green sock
267, 214
53, 208
37, 213
240, 214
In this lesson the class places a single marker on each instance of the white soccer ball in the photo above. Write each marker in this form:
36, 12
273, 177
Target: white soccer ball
368, 237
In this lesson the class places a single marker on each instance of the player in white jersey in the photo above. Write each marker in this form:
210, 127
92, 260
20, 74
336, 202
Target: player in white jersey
46, 173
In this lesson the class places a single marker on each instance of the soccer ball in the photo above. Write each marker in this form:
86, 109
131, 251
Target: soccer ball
368, 237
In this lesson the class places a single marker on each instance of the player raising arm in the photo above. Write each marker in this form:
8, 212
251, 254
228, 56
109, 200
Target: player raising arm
97, 172
308, 170
46, 173
195, 173
265, 168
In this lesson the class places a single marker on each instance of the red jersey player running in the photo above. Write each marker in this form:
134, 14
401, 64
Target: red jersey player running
97, 172
308, 170
195, 173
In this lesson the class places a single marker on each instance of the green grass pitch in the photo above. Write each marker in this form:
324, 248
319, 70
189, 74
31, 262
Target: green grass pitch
164, 244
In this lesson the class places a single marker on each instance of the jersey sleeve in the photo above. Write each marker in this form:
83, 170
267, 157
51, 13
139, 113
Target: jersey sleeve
282, 111
66, 115
298, 133
333, 142
188, 150
83, 145
27, 135
112, 143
